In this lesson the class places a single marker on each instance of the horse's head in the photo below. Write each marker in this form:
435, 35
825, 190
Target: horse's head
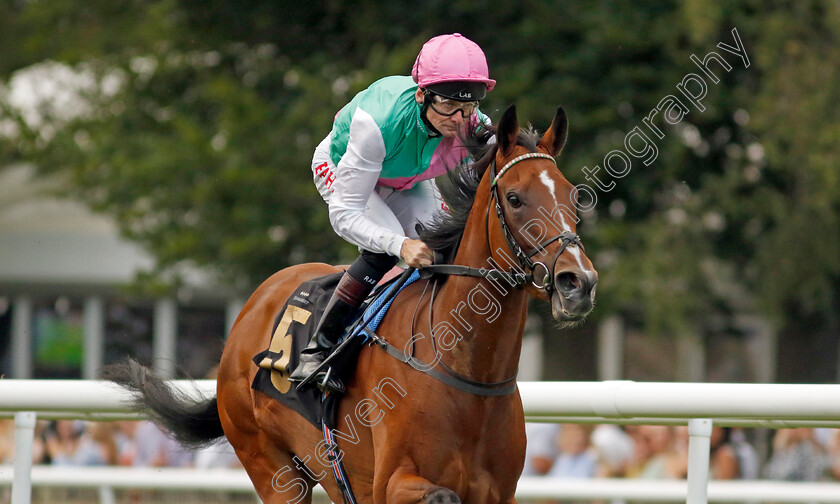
537, 217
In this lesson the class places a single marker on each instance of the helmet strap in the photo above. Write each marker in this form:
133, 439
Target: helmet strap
427, 101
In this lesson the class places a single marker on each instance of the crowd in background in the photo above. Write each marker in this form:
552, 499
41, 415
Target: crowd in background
554, 450
123, 443
661, 452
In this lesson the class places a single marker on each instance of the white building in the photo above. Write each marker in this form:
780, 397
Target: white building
64, 304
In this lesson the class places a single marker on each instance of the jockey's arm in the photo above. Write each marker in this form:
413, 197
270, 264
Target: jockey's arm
356, 177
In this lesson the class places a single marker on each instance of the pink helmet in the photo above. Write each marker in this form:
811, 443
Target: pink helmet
453, 59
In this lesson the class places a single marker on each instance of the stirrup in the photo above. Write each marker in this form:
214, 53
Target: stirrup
330, 385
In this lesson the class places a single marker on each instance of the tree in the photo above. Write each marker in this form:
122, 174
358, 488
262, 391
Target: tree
201, 151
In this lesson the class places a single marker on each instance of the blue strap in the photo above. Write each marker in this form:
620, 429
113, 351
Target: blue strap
376, 311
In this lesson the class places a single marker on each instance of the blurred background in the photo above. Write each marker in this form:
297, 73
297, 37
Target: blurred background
154, 168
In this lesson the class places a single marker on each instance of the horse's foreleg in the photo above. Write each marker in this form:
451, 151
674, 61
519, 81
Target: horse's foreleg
406, 488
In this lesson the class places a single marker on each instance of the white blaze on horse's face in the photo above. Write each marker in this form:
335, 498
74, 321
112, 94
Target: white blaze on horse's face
546, 179
575, 251
575, 281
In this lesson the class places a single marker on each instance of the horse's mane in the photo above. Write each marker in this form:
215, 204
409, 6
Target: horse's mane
443, 234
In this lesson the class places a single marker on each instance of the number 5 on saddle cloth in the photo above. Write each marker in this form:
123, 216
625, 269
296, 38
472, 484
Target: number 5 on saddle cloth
295, 325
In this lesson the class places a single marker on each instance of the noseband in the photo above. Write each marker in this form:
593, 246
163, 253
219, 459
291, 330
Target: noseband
524, 259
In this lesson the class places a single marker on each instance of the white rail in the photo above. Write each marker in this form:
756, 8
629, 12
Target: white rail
695, 404
231, 480
758, 405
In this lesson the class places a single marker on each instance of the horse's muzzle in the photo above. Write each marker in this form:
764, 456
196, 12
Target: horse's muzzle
575, 295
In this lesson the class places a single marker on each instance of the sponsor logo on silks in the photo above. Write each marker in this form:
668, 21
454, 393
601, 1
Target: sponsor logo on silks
463, 94
323, 171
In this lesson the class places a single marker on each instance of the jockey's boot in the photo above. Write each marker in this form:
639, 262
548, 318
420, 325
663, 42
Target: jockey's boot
336, 316
358, 281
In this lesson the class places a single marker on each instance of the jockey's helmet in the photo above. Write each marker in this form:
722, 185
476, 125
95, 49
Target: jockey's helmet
453, 67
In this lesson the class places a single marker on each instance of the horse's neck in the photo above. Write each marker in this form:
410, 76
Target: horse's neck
487, 316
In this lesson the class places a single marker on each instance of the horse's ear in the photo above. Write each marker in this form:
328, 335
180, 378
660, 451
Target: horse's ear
507, 131
555, 138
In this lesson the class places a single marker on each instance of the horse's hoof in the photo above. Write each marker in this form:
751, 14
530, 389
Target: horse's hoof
441, 496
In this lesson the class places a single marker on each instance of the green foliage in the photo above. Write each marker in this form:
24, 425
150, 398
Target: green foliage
202, 155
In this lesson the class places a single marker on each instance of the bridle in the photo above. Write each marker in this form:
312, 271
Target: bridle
527, 267
524, 258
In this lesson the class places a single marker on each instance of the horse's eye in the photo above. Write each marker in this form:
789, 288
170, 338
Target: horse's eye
514, 200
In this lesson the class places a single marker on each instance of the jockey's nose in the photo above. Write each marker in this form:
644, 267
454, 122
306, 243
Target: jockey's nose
458, 117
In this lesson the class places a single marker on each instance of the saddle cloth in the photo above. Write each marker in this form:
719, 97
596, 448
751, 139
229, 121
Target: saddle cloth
293, 327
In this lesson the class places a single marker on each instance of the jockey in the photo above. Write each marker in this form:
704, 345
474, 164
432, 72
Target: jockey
375, 170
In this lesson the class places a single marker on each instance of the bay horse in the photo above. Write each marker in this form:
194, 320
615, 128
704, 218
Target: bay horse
404, 436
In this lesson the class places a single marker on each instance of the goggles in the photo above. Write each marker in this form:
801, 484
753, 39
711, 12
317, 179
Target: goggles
448, 107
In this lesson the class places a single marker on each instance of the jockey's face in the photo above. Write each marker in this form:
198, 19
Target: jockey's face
449, 126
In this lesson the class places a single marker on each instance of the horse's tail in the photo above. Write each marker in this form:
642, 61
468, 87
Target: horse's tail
192, 422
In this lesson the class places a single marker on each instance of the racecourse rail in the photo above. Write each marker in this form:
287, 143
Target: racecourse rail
699, 405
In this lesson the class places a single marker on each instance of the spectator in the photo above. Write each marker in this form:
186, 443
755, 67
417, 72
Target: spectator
62, 441
641, 452
723, 459
76, 443
655, 454
613, 449
748, 463
577, 458
155, 449
7, 441
219, 455
126, 442
797, 456
39, 443
97, 445
834, 453
541, 450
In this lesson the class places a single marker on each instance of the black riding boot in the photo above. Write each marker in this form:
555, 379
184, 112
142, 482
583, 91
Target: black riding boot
359, 280
336, 316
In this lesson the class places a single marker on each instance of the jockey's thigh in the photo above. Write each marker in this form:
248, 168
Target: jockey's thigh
411, 206
381, 213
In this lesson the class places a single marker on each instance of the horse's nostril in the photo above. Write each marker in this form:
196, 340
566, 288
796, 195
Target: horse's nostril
567, 282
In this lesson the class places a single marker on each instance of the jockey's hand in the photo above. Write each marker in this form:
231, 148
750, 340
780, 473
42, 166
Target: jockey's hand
416, 254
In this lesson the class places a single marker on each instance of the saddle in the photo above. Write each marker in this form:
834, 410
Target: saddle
294, 326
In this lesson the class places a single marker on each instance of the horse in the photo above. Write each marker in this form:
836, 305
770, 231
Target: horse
454, 432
